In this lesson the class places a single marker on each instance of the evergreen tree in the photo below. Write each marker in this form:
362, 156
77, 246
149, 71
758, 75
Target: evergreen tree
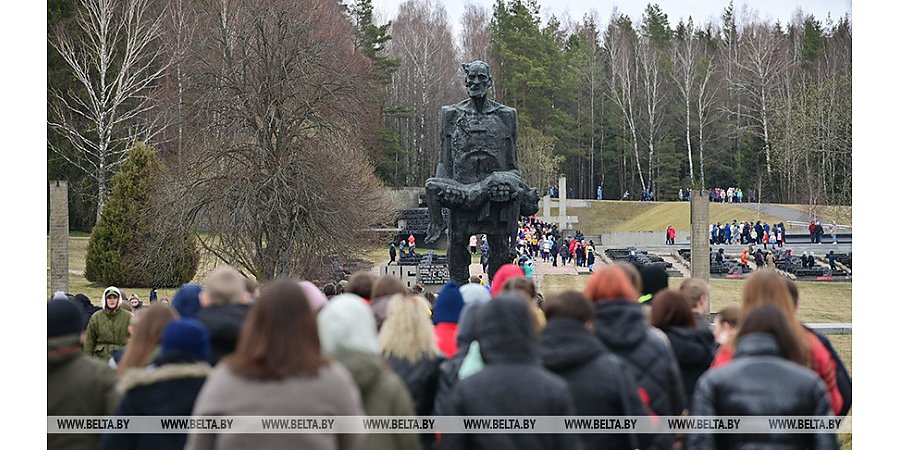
383, 142
135, 244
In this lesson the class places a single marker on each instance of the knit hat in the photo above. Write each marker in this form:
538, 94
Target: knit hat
187, 336
347, 323
187, 300
63, 317
315, 296
505, 272
448, 305
474, 293
654, 279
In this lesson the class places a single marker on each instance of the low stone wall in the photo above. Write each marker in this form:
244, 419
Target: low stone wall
640, 238
404, 198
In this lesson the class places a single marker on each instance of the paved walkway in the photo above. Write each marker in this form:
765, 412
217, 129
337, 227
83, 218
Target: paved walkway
783, 212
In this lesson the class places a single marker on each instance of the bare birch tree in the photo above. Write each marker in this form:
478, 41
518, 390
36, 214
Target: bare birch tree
762, 63
619, 44
476, 34
683, 72
429, 77
116, 56
651, 81
707, 98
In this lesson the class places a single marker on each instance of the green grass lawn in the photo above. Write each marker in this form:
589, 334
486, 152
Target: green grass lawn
78, 284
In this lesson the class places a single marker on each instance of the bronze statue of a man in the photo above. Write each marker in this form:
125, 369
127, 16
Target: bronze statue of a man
478, 177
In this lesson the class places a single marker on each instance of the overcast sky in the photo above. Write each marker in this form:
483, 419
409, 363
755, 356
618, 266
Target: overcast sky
700, 10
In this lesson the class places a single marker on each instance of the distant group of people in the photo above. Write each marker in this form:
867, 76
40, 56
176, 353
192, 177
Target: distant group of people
817, 232
760, 233
536, 238
553, 192
408, 243
730, 195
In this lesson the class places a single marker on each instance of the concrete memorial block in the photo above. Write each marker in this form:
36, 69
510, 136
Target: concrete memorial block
700, 238
59, 236
563, 220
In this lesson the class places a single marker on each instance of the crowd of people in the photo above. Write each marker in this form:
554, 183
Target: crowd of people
730, 195
760, 233
538, 239
626, 345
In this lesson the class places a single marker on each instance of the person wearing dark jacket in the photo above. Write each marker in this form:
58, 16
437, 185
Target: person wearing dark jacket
168, 387
409, 345
512, 382
621, 326
88, 309
600, 382
77, 384
694, 347
224, 299
765, 379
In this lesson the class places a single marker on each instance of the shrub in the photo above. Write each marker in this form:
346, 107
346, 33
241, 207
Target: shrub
134, 244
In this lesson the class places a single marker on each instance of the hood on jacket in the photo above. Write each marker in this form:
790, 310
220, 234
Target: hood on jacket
448, 304
505, 272
136, 377
365, 368
107, 291
620, 323
505, 331
62, 349
566, 342
314, 295
187, 300
474, 293
347, 323
757, 344
691, 345
468, 326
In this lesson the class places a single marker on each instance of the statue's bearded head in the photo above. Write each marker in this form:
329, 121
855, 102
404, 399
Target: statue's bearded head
478, 78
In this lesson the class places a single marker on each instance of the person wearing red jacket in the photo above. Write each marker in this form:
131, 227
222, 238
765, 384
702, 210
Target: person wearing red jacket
766, 286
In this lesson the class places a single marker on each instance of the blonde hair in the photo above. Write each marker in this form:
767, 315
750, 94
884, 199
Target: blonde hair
407, 332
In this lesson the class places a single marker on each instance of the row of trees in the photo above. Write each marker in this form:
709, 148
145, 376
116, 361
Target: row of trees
261, 112
641, 103
277, 122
